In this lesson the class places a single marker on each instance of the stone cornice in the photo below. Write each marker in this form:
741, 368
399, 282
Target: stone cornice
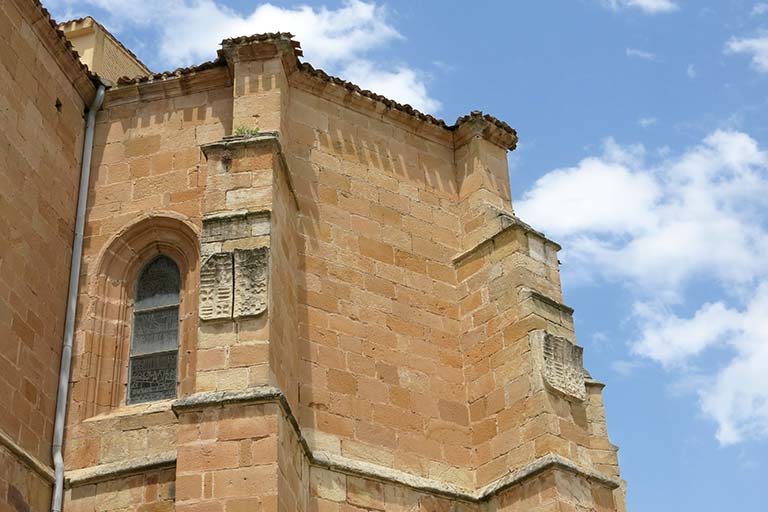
54, 41
304, 77
508, 222
238, 141
338, 463
169, 86
39, 467
263, 138
547, 300
479, 125
113, 470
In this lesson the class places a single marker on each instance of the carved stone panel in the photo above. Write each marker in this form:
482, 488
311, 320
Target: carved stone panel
251, 271
219, 228
560, 363
216, 278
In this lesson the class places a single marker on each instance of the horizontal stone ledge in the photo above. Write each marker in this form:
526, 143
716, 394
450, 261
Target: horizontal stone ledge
340, 464
112, 470
508, 222
545, 463
39, 467
236, 213
203, 400
593, 382
533, 294
233, 141
550, 461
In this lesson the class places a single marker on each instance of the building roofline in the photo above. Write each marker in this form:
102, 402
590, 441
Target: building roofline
109, 34
510, 135
83, 79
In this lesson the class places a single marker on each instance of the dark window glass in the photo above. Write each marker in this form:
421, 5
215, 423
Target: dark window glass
155, 342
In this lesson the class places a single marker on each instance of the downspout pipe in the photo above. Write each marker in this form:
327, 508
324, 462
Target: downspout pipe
69, 322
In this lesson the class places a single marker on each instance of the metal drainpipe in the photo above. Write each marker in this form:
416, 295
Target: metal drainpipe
69, 323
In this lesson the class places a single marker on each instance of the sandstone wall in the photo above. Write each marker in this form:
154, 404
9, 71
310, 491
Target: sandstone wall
146, 197
381, 377
364, 322
43, 95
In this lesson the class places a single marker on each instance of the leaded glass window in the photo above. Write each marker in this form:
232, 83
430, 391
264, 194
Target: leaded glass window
155, 341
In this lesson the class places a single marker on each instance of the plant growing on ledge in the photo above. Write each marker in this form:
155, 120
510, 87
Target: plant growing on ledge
246, 132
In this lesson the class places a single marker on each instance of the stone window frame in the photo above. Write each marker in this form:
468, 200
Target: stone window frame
103, 344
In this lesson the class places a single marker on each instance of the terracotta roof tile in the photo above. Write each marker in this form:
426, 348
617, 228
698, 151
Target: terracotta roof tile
308, 68
260, 38
176, 73
65, 42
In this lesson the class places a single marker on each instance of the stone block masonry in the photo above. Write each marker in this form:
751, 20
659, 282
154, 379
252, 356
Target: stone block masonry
43, 94
364, 324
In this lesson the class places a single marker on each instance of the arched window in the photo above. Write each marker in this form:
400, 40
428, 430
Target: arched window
155, 340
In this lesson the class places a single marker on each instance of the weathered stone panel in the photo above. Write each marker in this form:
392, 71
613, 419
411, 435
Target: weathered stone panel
251, 278
216, 289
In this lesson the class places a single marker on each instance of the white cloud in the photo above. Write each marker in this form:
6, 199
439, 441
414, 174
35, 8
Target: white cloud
736, 396
759, 9
402, 83
640, 54
757, 47
647, 122
661, 228
624, 367
339, 40
691, 71
647, 6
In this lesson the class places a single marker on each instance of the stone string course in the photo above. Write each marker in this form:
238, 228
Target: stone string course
334, 462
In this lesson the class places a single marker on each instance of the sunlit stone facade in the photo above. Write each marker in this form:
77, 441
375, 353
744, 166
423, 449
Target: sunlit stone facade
358, 320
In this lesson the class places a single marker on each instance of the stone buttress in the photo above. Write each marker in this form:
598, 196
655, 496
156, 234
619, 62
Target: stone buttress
371, 328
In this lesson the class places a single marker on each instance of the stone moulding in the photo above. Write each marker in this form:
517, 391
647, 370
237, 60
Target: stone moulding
112, 470
232, 225
508, 222
39, 467
263, 138
338, 463
528, 292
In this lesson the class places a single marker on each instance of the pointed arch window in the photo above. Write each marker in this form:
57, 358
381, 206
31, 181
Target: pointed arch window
152, 372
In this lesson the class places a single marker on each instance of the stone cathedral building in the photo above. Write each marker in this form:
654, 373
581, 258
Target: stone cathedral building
292, 295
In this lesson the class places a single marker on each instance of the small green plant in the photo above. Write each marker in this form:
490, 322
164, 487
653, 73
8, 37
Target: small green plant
249, 132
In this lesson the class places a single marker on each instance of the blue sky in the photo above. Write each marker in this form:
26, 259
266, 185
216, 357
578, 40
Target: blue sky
642, 150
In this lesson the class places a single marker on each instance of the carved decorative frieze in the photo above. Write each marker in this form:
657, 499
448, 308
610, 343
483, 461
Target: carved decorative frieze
251, 271
560, 362
216, 290
232, 226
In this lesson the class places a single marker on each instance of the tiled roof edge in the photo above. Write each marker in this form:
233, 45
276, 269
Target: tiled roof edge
46, 15
308, 68
176, 73
260, 38
305, 67
472, 116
